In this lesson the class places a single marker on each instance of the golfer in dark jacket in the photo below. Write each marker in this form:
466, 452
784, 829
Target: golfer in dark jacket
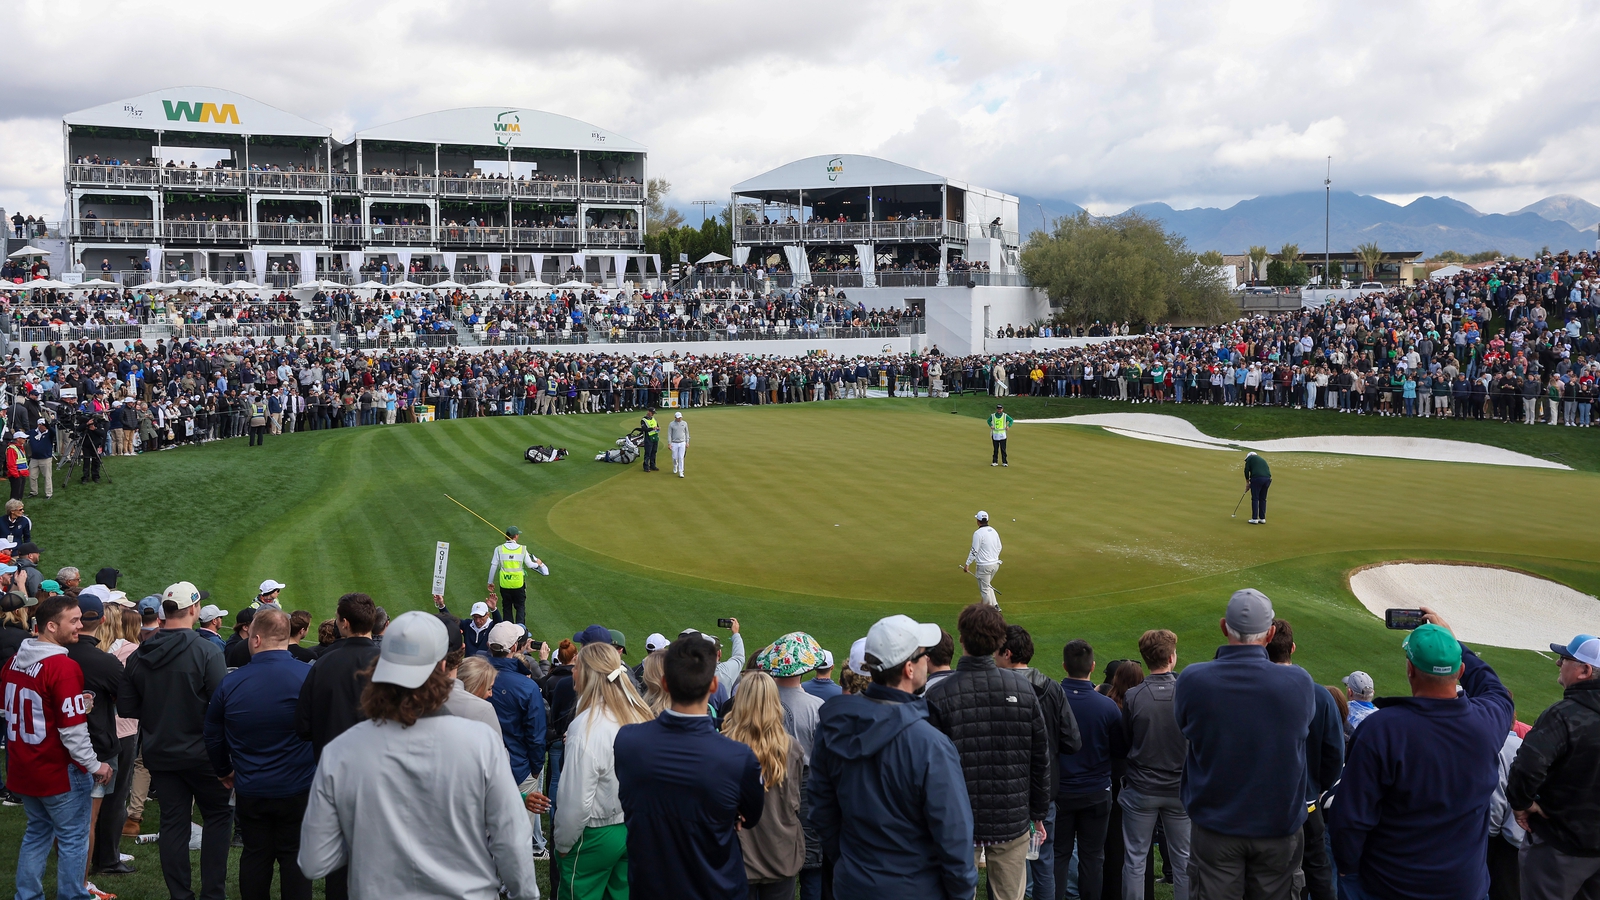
167, 685
1554, 785
993, 717
888, 800
686, 790
1410, 819
1259, 477
1244, 778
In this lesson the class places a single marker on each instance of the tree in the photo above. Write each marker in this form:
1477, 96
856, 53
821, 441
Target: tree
1124, 269
1258, 257
1371, 256
713, 235
1210, 258
658, 214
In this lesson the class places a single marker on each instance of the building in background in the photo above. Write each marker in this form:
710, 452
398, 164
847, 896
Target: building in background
195, 181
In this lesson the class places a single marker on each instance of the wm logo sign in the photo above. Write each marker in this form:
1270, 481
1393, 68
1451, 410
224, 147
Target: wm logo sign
183, 111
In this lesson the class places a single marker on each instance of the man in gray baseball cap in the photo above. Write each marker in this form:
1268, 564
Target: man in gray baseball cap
1247, 722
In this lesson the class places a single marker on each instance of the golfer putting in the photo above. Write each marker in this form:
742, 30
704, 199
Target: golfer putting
1258, 475
983, 560
998, 423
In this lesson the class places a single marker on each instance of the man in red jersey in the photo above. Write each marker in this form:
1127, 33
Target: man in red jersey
49, 760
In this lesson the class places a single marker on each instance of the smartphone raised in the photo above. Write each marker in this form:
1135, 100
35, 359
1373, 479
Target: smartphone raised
724, 623
1404, 619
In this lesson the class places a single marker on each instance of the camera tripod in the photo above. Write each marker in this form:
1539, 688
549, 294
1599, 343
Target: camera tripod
73, 456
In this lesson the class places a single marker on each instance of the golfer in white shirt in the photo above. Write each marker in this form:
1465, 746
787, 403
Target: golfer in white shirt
985, 556
678, 441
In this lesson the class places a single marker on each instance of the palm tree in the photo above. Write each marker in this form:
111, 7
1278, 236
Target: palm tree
1371, 256
1258, 258
1289, 254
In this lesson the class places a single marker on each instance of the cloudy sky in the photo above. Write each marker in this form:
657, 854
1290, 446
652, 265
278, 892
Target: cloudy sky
1105, 104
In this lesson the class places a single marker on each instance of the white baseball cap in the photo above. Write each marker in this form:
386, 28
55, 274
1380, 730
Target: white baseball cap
656, 641
855, 663
827, 660
412, 646
269, 586
504, 635
19, 434
892, 641
210, 611
981, 516
480, 608
184, 594
677, 415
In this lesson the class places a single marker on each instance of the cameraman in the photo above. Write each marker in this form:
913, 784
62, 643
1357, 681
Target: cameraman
92, 438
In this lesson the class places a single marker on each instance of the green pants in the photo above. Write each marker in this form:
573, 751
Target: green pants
596, 868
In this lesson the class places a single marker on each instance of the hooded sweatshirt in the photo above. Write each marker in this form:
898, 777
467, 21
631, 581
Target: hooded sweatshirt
167, 685
908, 831
43, 691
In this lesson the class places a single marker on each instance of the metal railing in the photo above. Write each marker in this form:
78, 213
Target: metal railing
783, 332
408, 185
291, 232
547, 237
206, 179
400, 235
907, 278
851, 232
767, 234
215, 232
114, 229
990, 279
289, 181
527, 338
493, 235
475, 187
125, 176
544, 190
628, 193
836, 279
611, 237
345, 183
78, 332
344, 233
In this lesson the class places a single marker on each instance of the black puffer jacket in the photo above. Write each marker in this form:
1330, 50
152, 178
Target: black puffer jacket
1559, 766
993, 717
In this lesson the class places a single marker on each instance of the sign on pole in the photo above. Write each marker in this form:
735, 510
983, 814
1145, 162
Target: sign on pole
441, 564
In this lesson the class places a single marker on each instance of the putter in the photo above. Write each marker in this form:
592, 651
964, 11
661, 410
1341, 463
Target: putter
1235, 513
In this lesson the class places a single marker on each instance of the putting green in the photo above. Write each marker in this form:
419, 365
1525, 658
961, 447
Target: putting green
825, 517
868, 504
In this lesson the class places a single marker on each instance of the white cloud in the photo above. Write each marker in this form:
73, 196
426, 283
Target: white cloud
1104, 104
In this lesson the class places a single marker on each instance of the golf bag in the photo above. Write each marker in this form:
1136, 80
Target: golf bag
626, 451
542, 454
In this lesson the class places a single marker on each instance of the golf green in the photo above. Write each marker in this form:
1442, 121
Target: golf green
825, 517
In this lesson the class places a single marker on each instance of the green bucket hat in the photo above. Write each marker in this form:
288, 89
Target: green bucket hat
793, 654
1433, 649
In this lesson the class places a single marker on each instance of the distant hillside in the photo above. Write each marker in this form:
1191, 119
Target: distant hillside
1427, 224
1028, 213
1568, 208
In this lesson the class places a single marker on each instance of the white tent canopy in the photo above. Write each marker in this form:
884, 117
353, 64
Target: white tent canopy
242, 286
149, 286
370, 285
96, 283
533, 285
406, 284
501, 126
28, 251
449, 284
573, 284
486, 284
713, 257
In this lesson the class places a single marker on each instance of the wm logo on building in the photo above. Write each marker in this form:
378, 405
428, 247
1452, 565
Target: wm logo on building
183, 111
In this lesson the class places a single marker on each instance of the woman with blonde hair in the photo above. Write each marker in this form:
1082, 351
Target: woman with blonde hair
775, 849
655, 695
591, 841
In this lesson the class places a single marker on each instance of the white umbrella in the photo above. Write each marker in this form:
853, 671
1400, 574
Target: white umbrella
149, 286
533, 285
487, 284
242, 285
97, 283
29, 250
406, 284
203, 283
317, 284
370, 285
713, 257
573, 284
449, 284
9, 286
46, 283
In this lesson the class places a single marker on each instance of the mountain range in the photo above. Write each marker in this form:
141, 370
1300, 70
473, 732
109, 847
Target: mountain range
1428, 224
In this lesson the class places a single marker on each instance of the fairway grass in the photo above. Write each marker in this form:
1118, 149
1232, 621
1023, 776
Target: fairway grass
825, 517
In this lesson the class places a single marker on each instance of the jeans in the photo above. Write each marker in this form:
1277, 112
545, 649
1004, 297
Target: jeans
1043, 869
1082, 820
61, 820
1139, 815
179, 792
270, 830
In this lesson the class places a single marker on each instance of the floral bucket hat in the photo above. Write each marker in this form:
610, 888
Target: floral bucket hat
793, 654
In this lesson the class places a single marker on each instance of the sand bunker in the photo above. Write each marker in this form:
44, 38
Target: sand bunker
1484, 605
1173, 430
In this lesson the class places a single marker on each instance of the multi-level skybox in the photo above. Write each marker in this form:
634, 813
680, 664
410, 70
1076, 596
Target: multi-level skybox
197, 179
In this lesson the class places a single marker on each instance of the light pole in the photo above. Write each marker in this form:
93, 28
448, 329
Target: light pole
1327, 219
703, 204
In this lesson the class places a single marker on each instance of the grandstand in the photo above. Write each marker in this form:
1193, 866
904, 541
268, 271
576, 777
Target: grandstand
192, 181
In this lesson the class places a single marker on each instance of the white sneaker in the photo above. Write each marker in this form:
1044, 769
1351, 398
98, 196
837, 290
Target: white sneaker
680, 474
994, 464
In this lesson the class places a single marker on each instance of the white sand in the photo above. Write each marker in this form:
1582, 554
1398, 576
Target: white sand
1171, 429
1483, 605
1176, 441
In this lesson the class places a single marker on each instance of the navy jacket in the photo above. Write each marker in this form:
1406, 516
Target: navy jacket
1247, 721
889, 800
1411, 815
825, 688
476, 642
1324, 746
520, 707
250, 728
684, 789
1088, 771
